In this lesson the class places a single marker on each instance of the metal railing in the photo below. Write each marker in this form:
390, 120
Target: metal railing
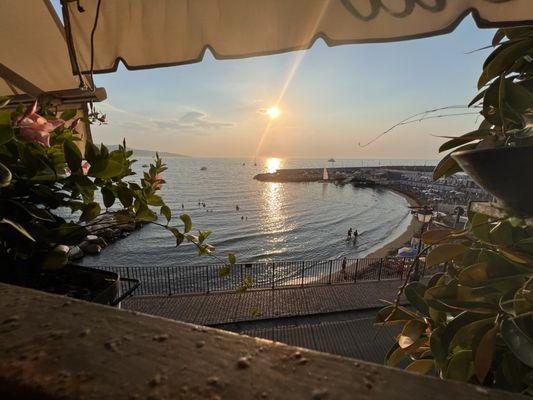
169, 280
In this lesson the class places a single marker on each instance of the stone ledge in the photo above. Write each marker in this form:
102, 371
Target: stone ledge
52, 347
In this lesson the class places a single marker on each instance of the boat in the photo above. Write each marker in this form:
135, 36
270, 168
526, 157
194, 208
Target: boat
331, 160
203, 169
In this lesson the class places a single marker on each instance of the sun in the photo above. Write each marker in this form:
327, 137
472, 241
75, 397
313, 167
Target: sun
273, 112
273, 164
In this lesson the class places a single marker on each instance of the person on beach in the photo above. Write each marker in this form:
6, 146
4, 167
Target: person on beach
350, 233
343, 269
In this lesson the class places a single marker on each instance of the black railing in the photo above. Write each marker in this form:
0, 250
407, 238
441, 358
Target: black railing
168, 280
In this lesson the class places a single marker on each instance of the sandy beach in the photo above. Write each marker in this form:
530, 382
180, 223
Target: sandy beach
413, 228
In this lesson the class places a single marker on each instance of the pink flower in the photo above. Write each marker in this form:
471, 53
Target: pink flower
35, 128
85, 167
160, 181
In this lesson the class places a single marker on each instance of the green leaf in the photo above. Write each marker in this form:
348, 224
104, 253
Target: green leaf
436, 236
484, 354
57, 258
17, 228
90, 212
145, 214
421, 366
180, 237
165, 211
518, 341
6, 134
106, 169
203, 235
444, 253
465, 335
5, 176
125, 196
391, 315
232, 259
395, 356
480, 226
466, 138
503, 58
68, 114
108, 196
187, 222
223, 271
447, 166
155, 200
414, 292
72, 155
460, 367
411, 333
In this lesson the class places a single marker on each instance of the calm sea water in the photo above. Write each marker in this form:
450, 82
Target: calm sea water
275, 221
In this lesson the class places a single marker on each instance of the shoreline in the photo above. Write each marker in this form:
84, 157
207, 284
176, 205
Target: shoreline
388, 248
412, 228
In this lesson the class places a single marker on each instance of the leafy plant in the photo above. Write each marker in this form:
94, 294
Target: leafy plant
505, 99
474, 321
42, 171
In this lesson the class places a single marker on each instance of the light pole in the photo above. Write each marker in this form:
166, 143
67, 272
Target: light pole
424, 215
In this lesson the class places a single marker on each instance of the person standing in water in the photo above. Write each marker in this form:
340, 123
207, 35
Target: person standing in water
350, 233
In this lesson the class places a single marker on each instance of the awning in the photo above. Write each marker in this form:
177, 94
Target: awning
154, 33
34, 57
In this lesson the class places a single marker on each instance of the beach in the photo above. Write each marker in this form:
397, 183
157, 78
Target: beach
413, 228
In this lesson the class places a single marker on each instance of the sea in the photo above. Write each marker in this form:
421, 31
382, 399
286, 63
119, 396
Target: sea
274, 221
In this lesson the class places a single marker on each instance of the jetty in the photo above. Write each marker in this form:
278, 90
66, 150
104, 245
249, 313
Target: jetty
355, 175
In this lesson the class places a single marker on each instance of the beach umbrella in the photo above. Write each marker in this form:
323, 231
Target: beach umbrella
407, 252
157, 33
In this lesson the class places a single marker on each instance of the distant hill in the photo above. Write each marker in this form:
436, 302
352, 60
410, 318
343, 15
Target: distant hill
147, 153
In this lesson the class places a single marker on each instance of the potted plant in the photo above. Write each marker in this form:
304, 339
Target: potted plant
43, 174
499, 154
474, 321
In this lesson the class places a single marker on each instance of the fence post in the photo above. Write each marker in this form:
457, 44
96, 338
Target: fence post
356, 267
380, 266
303, 269
330, 267
207, 273
273, 268
168, 281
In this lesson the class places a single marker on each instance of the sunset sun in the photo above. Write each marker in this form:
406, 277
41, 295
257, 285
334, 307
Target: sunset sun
273, 112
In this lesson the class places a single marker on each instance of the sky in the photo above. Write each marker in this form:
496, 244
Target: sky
337, 98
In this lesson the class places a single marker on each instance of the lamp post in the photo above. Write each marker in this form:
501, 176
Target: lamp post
424, 215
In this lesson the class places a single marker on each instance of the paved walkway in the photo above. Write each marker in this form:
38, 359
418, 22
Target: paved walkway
351, 334
221, 308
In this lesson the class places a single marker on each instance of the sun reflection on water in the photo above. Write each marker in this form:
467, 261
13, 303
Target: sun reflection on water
272, 217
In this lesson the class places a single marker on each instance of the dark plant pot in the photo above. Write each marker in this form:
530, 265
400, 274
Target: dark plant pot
506, 173
75, 281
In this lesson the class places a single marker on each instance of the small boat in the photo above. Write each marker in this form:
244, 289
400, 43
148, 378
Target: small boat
331, 160
145, 165
203, 169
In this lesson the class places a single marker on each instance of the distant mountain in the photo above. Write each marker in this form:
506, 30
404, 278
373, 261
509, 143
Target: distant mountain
147, 153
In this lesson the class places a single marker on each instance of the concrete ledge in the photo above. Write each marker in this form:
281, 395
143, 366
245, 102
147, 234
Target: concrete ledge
52, 347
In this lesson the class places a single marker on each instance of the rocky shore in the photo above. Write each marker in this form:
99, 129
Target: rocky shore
103, 231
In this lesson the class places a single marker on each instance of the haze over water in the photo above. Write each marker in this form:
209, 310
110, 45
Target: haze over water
276, 221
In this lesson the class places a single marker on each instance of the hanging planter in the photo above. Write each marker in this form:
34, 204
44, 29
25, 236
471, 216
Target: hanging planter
506, 173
